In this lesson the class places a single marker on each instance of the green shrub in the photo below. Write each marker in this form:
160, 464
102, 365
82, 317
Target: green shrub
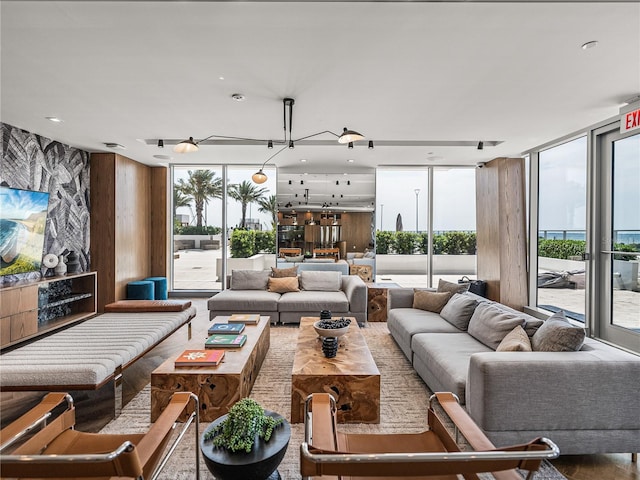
562, 249
384, 240
265, 241
456, 243
195, 230
405, 243
243, 243
624, 247
423, 243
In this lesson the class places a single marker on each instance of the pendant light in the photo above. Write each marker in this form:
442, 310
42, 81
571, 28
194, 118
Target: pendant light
186, 146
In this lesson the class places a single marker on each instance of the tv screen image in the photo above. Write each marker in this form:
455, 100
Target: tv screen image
23, 217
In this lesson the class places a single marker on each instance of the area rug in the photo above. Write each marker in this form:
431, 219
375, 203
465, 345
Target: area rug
404, 401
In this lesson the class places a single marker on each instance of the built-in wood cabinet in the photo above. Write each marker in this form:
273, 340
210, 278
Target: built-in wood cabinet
32, 308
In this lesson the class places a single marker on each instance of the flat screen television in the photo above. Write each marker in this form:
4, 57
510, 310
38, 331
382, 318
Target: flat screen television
23, 217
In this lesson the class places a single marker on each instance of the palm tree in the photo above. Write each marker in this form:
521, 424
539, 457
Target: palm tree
245, 193
179, 199
269, 205
201, 186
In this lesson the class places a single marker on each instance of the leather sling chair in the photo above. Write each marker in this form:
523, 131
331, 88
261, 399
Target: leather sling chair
57, 450
430, 454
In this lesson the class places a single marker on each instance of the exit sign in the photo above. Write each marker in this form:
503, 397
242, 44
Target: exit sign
630, 121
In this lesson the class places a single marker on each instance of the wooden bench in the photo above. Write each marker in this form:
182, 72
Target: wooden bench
92, 356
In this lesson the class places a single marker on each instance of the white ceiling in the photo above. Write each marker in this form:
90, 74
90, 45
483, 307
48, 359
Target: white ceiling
427, 73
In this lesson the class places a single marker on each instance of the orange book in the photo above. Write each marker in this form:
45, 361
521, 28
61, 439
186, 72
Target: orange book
199, 358
251, 318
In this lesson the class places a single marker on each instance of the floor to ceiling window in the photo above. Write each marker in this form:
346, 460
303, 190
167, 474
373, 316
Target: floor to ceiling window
454, 224
402, 196
204, 248
252, 214
562, 215
425, 225
197, 226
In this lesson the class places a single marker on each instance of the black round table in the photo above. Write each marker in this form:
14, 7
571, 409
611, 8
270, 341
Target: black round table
259, 464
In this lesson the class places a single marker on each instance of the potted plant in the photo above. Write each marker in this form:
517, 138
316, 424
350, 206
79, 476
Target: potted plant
237, 444
245, 422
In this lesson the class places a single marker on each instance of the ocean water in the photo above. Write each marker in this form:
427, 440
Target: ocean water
12, 234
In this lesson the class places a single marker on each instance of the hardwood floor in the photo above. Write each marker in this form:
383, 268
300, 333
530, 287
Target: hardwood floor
574, 467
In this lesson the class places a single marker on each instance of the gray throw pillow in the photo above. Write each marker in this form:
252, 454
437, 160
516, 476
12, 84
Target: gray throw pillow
490, 324
294, 259
444, 286
458, 310
320, 281
558, 335
249, 279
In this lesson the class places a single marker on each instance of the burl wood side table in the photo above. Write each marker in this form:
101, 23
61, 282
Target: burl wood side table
352, 376
377, 301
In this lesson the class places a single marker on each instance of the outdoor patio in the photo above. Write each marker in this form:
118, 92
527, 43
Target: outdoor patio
196, 270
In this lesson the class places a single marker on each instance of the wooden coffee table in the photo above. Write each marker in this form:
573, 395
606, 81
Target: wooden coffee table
218, 388
352, 376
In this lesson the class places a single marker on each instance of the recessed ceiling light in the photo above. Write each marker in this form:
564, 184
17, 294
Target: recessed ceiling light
238, 97
350, 160
115, 146
345, 174
54, 119
220, 78
303, 160
591, 44
163, 157
306, 173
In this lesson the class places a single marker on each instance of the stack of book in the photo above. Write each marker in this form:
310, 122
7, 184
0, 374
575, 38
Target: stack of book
220, 337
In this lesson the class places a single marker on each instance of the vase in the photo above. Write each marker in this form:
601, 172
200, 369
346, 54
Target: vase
73, 262
61, 268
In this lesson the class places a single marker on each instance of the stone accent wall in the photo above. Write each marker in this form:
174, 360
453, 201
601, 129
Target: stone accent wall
33, 162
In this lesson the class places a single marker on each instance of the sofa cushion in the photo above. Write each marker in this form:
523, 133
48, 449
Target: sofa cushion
245, 301
283, 285
320, 281
249, 279
294, 259
444, 286
490, 324
558, 335
284, 272
458, 310
516, 340
404, 323
313, 301
444, 359
430, 301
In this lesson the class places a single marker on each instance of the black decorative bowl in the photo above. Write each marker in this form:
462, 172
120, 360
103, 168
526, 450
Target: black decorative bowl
258, 464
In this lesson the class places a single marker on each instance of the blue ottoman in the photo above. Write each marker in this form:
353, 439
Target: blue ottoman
160, 287
140, 290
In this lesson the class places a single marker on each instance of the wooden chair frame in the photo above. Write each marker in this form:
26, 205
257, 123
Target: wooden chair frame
434, 452
57, 450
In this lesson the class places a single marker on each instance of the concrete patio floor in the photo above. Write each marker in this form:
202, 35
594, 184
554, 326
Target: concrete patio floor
195, 270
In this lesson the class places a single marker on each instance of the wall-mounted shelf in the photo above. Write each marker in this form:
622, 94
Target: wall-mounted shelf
32, 308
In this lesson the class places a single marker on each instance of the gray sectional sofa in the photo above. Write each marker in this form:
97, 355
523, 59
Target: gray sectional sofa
587, 401
343, 295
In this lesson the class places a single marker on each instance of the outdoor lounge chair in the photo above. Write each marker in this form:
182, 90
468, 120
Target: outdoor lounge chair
57, 450
432, 453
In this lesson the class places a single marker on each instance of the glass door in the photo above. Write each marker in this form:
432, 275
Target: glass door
619, 255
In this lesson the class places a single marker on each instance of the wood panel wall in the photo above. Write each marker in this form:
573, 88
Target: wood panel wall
128, 223
501, 230
355, 228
